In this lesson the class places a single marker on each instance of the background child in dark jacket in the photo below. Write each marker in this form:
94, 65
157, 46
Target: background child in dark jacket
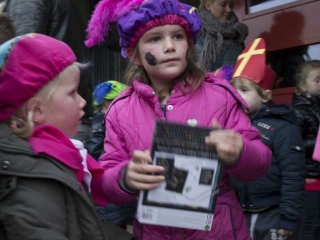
273, 202
307, 107
103, 95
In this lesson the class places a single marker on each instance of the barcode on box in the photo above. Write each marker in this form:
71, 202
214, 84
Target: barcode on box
147, 214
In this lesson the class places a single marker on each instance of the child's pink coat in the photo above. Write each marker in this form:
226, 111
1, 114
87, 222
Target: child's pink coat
130, 122
316, 153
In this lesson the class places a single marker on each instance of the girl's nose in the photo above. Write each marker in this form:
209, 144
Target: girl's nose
229, 8
168, 46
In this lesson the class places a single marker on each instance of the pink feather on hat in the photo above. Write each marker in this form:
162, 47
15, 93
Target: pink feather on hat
105, 12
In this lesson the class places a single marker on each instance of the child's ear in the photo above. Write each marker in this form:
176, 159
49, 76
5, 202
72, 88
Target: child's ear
207, 6
268, 96
35, 105
132, 56
303, 87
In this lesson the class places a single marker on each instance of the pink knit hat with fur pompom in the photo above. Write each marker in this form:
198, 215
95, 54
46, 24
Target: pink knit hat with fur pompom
27, 63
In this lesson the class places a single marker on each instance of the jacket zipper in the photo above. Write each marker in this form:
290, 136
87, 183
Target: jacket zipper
163, 108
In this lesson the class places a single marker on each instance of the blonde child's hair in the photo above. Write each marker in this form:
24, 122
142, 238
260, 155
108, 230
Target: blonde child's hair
204, 2
302, 73
262, 93
192, 75
21, 121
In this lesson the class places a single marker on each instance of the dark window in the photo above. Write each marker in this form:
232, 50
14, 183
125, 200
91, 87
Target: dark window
285, 62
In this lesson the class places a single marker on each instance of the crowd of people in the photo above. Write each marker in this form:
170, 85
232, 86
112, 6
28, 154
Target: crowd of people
74, 172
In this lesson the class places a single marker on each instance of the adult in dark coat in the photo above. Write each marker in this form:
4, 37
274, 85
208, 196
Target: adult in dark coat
49, 17
7, 28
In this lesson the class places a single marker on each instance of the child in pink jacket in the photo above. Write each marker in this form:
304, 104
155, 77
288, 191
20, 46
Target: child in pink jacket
158, 38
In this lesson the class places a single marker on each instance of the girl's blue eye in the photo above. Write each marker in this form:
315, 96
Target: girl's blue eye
154, 39
243, 89
178, 36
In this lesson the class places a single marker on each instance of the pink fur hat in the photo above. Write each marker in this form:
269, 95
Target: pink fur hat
27, 63
135, 17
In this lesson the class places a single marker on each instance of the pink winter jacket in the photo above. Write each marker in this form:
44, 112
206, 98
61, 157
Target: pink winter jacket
130, 122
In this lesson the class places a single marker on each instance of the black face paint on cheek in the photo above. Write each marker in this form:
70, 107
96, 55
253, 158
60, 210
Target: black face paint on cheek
151, 59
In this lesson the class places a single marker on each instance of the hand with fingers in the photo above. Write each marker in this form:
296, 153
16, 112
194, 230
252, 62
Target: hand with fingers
284, 233
311, 180
140, 172
228, 143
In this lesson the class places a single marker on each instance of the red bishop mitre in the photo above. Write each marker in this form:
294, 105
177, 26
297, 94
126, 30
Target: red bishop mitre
251, 65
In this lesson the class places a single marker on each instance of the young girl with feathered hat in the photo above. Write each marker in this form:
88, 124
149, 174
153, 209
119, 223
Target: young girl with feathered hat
158, 38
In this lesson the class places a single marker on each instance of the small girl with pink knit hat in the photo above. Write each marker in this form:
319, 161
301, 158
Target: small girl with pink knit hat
158, 38
46, 183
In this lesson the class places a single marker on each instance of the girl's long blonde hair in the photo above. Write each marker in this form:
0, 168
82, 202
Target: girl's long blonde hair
203, 3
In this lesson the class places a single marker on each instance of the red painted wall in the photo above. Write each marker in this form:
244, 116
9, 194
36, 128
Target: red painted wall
283, 95
282, 27
285, 26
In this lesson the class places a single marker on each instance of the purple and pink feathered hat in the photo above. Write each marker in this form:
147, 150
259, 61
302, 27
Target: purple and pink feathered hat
27, 63
135, 17
225, 72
